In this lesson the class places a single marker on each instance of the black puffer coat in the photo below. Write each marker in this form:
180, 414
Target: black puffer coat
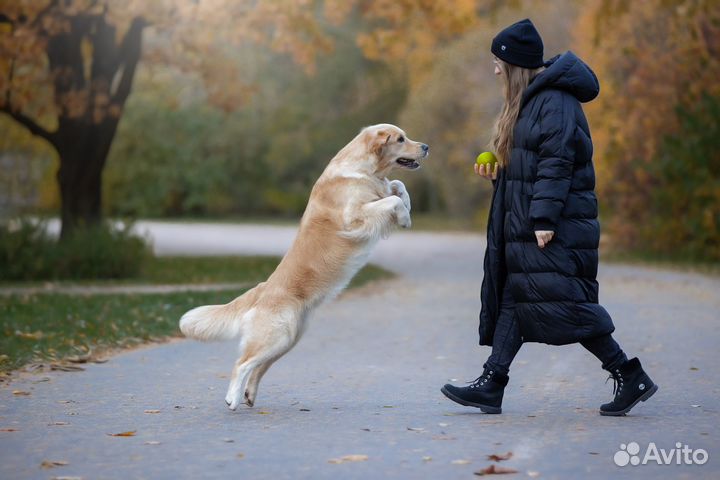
547, 185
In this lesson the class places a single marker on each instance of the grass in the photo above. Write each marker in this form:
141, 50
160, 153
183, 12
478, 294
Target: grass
657, 260
49, 327
183, 270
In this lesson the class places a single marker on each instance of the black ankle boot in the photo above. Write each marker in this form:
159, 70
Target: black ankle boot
631, 385
485, 393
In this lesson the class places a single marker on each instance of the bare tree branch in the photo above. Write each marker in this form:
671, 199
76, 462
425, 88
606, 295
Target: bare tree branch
129, 56
29, 123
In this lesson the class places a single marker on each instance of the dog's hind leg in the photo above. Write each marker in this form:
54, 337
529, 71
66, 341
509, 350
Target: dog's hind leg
242, 368
256, 356
254, 381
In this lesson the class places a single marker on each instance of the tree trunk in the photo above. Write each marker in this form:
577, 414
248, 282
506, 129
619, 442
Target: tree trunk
83, 149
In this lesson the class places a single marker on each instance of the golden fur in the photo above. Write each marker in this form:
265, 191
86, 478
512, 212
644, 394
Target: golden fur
351, 206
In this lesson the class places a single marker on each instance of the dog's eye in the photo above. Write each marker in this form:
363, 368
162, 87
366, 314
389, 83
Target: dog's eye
401, 139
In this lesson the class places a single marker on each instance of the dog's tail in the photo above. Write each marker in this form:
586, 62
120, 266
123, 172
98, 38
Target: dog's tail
219, 322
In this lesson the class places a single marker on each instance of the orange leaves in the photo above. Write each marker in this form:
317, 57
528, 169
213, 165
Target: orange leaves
645, 74
130, 433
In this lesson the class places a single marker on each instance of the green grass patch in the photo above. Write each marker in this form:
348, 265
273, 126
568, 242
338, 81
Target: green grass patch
48, 327
656, 260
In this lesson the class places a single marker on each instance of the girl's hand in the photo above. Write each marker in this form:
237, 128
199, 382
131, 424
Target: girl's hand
543, 237
486, 171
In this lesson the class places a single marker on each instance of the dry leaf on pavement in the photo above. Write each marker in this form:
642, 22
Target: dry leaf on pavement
53, 463
151, 411
20, 392
495, 470
123, 434
349, 458
498, 458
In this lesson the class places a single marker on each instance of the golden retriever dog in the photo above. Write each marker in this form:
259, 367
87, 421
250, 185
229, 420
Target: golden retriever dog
351, 206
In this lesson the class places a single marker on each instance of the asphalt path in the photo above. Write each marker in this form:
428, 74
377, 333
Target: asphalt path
365, 382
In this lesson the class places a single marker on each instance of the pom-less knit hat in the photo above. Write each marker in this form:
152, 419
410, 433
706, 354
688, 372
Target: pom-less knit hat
519, 44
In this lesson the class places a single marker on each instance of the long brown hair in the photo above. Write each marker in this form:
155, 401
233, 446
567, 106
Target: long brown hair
515, 81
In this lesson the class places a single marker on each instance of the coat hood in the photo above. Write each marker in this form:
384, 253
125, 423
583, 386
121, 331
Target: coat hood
565, 72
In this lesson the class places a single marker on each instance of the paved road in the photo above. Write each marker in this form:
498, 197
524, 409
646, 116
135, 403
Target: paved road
365, 380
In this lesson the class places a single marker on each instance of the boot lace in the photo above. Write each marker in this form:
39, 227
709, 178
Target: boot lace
481, 380
617, 382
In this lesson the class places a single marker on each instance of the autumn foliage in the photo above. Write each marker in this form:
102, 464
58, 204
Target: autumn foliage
215, 123
655, 124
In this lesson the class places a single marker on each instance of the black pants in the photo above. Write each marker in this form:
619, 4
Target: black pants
507, 342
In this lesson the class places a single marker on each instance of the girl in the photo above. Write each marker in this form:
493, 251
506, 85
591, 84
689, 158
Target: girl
542, 236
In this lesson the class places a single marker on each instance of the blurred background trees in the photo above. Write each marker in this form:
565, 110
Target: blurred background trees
236, 107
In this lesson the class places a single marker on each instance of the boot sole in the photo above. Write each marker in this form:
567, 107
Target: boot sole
641, 398
483, 408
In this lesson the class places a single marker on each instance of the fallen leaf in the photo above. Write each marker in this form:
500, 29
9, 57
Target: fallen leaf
460, 461
240, 455
499, 458
152, 442
20, 392
495, 470
694, 406
427, 459
131, 433
416, 429
349, 458
228, 440
443, 437
59, 423
304, 409
594, 453
9, 430
262, 412
66, 401
388, 406
53, 463
28, 335
151, 411
694, 368
365, 429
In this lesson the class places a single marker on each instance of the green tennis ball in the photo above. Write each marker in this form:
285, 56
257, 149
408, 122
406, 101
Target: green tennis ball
486, 158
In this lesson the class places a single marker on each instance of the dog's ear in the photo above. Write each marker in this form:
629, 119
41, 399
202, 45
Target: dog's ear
379, 141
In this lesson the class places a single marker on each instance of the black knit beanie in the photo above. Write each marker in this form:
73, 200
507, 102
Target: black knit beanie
519, 44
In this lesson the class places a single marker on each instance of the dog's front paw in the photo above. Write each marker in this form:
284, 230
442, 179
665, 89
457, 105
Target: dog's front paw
398, 189
403, 218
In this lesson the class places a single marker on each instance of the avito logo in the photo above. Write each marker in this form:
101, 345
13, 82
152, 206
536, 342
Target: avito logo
680, 455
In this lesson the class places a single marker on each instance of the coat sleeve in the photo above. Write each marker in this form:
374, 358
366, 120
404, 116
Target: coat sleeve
556, 156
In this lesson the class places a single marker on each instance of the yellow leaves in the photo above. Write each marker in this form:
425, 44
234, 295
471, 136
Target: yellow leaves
336, 11
29, 335
53, 463
644, 74
20, 393
151, 411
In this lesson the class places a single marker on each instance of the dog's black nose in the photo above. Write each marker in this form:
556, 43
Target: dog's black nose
424, 147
